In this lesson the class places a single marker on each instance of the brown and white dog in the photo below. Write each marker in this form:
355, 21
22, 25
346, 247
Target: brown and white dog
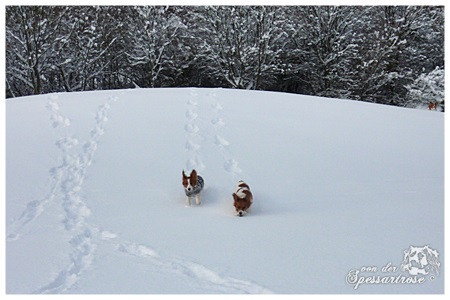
243, 198
193, 185
433, 105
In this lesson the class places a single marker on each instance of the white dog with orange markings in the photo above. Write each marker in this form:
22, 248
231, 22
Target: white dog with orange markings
243, 198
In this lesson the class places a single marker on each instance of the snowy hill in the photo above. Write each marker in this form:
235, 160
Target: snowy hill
94, 201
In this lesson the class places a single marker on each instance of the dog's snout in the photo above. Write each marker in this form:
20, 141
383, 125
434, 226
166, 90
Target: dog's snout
240, 214
189, 189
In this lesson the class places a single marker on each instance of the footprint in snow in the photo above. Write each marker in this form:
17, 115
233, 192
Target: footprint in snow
192, 102
195, 163
66, 143
218, 122
107, 235
216, 106
193, 92
56, 117
137, 250
191, 146
232, 166
191, 128
220, 141
191, 115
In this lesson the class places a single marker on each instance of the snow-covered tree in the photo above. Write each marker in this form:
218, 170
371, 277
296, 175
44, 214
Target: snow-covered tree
54, 48
154, 42
324, 48
30, 35
239, 46
355, 52
93, 36
427, 88
396, 45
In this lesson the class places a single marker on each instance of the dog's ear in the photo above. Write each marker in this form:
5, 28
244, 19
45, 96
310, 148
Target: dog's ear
193, 177
235, 197
184, 175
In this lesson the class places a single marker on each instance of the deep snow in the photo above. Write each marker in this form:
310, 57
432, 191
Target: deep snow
94, 202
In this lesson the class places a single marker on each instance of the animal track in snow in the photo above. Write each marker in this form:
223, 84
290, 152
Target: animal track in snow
80, 259
218, 122
193, 92
192, 102
195, 163
107, 235
193, 133
137, 250
221, 141
230, 165
56, 117
192, 146
195, 272
225, 284
191, 115
69, 179
191, 128
216, 106
215, 133
102, 113
66, 143
34, 208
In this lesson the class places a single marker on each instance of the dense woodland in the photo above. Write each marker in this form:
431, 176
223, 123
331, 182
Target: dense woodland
384, 54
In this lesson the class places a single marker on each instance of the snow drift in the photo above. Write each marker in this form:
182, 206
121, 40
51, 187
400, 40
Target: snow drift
94, 202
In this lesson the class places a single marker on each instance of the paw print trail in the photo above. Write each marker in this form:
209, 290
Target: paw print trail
85, 240
193, 139
230, 165
69, 177
57, 118
35, 208
199, 275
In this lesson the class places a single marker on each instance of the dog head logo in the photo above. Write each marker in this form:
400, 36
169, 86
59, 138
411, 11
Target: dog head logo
420, 261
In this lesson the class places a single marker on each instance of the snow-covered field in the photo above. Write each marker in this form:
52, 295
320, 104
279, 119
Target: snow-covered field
94, 201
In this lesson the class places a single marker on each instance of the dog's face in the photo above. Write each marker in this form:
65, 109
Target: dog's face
241, 205
189, 182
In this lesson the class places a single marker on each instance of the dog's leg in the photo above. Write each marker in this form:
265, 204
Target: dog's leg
197, 200
188, 201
